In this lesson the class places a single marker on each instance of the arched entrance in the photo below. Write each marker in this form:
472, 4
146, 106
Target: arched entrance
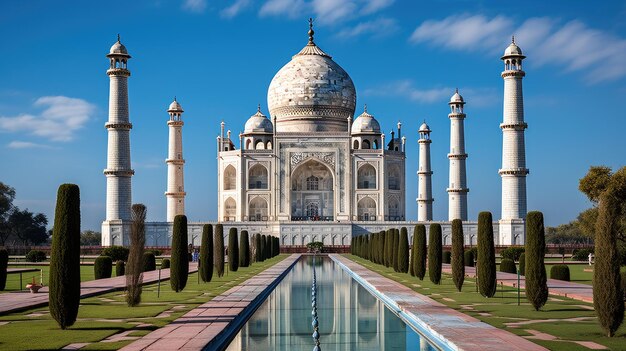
312, 192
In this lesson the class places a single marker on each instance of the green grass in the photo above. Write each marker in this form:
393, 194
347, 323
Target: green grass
13, 279
102, 316
503, 308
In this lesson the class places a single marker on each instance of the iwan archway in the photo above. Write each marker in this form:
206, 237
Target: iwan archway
312, 194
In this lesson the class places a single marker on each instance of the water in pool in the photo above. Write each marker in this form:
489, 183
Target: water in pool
350, 318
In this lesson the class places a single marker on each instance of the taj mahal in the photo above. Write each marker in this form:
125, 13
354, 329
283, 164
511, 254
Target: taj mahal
310, 170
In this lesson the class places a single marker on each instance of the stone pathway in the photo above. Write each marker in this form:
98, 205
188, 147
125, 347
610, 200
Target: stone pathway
574, 291
19, 301
457, 330
210, 324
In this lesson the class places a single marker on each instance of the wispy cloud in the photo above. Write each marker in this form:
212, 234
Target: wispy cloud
61, 118
476, 97
377, 28
571, 45
26, 145
325, 11
196, 6
234, 9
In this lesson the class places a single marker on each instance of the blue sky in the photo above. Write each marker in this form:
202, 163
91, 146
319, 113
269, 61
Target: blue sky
218, 58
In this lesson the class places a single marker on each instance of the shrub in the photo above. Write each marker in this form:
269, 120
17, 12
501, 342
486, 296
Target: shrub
581, 254
535, 271
257, 247
434, 253
507, 265
166, 263
35, 256
458, 269
447, 257
522, 264
179, 263
262, 247
420, 252
149, 261
468, 258
388, 247
486, 262
206, 254
396, 241
244, 249
117, 253
233, 250
403, 251
608, 295
218, 250
103, 267
512, 253
277, 246
134, 266
64, 296
560, 272
268, 253
120, 268
4, 262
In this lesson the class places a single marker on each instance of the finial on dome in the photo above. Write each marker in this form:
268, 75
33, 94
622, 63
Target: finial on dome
311, 31
365, 108
456, 90
513, 39
174, 97
118, 37
258, 108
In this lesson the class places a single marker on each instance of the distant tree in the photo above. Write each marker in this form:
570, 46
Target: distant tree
90, 238
134, 268
434, 253
206, 254
420, 251
458, 252
179, 269
244, 249
608, 294
535, 271
507, 265
233, 250
64, 276
486, 263
522, 263
28, 227
7, 195
4, 261
218, 250
403, 251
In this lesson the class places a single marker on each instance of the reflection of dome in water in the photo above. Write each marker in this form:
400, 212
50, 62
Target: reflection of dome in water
311, 93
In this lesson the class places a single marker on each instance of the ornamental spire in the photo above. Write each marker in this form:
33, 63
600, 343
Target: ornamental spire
311, 32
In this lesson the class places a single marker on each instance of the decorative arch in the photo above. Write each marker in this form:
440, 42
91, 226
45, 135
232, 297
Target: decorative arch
366, 144
393, 208
230, 178
248, 143
366, 209
230, 209
366, 177
259, 145
393, 177
312, 191
355, 145
375, 144
258, 177
258, 209
268, 145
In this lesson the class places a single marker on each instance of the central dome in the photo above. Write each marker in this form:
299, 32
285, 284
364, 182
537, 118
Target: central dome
311, 93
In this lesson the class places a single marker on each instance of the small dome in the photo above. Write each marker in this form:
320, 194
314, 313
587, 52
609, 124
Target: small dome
118, 49
365, 123
457, 98
258, 123
513, 50
175, 107
424, 128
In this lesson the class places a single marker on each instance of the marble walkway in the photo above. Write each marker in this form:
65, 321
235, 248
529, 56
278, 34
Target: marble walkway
459, 331
576, 291
210, 324
19, 301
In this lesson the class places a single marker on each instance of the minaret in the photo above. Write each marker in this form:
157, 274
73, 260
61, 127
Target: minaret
118, 172
175, 193
425, 195
457, 189
514, 169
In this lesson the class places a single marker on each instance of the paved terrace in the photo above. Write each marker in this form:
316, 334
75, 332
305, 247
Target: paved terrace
211, 324
576, 291
19, 301
460, 331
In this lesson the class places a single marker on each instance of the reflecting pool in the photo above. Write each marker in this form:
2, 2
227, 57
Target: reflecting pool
349, 317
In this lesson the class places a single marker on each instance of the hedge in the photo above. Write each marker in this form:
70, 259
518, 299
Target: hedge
244, 249
149, 261
468, 258
447, 257
522, 263
166, 263
35, 256
512, 253
560, 272
218, 250
120, 268
507, 265
117, 253
457, 259
205, 261
403, 251
420, 251
233, 250
102, 267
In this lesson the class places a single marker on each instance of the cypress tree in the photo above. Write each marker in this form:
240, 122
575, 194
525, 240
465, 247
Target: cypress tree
403, 248
388, 244
268, 253
608, 296
179, 261
412, 253
244, 249
396, 242
535, 272
263, 250
277, 246
149, 261
233, 250
434, 253
4, 262
134, 267
102, 267
257, 247
205, 262
420, 252
120, 268
218, 250
522, 263
64, 296
458, 247
486, 263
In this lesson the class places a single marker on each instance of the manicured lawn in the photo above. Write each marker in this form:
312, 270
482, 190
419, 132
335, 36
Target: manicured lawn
105, 315
502, 311
13, 280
